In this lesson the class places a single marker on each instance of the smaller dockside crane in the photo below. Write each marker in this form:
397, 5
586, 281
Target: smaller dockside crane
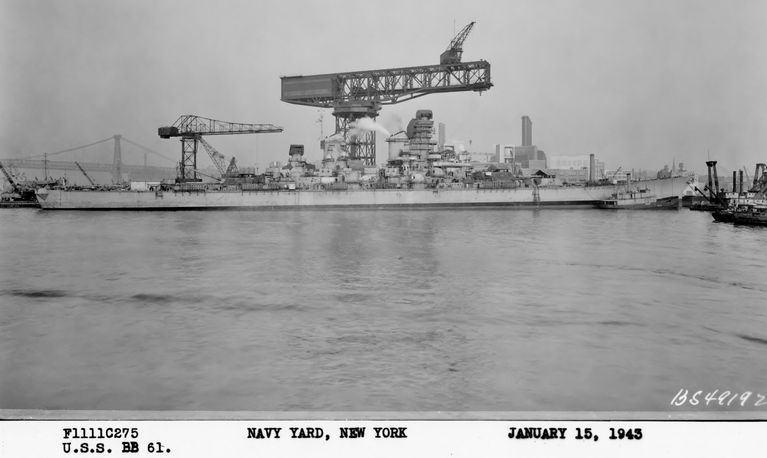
10, 179
191, 128
454, 51
23, 193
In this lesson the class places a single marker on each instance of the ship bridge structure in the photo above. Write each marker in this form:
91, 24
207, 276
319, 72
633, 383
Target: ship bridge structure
354, 95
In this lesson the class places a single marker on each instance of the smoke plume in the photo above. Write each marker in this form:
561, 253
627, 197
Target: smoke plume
367, 124
457, 145
392, 122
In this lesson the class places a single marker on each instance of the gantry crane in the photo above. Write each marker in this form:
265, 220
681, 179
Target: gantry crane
355, 95
191, 128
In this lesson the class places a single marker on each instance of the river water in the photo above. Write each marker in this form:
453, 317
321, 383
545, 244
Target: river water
457, 310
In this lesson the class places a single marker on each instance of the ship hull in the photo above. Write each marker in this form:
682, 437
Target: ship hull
562, 197
751, 219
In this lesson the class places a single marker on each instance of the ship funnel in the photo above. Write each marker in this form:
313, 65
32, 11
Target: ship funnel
396, 144
713, 191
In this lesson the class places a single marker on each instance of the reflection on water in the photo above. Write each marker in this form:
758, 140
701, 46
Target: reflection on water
376, 310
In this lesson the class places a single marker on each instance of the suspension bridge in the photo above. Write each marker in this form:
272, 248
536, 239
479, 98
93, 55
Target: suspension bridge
119, 171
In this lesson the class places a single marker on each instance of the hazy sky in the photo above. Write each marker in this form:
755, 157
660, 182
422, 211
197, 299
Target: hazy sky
637, 82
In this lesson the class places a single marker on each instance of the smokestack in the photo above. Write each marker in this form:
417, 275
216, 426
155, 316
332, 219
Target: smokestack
741, 181
716, 179
734, 181
710, 165
592, 168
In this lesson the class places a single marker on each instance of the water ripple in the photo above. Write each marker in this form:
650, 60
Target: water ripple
38, 293
752, 339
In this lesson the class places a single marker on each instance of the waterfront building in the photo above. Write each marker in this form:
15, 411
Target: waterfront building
575, 169
529, 157
503, 153
527, 131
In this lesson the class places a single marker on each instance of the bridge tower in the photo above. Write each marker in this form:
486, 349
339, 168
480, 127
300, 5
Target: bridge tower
117, 162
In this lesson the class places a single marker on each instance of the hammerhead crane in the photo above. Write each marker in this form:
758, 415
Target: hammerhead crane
191, 128
358, 94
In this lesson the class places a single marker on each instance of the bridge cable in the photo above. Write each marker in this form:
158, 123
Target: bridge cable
149, 150
72, 149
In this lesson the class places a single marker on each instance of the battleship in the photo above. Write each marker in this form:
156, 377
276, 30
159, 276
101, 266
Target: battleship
416, 175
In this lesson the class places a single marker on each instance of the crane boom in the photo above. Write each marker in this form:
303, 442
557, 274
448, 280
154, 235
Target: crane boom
10, 179
84, 173
452, 55
232, 169
190, 125
386, 86
215, 156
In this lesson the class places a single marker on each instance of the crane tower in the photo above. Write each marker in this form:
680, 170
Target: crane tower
354, 95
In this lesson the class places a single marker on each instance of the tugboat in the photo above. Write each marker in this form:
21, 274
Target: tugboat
639, 201
749, 212
723, 215
754, 216
747, 208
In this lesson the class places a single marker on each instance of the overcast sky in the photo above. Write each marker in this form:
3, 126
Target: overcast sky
637, 82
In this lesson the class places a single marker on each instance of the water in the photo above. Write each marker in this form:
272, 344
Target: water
377, 310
